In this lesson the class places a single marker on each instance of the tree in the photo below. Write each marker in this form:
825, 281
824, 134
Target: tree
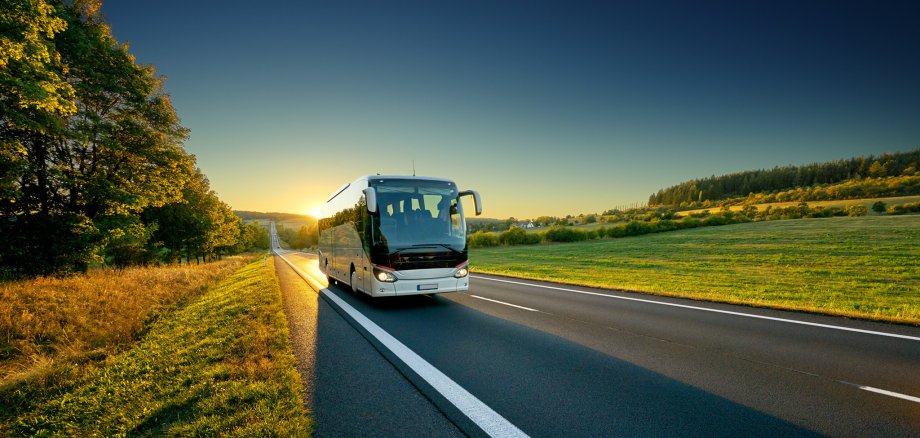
32, 76
197, 226
90, 141
877, 169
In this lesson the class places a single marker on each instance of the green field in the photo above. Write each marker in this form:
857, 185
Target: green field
866, 267
221, 365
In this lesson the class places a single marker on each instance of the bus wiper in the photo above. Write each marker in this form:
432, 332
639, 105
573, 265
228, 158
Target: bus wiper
429, 245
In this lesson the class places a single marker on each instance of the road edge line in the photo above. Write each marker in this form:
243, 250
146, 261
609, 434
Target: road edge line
726, 312
465, 410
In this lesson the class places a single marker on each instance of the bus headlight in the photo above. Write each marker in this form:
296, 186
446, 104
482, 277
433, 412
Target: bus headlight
462, 272
384, 275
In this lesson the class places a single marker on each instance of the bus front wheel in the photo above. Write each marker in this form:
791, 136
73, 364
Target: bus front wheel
354, 282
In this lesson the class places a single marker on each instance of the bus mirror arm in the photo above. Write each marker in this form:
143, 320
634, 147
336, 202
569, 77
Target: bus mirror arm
370, 195
476, 200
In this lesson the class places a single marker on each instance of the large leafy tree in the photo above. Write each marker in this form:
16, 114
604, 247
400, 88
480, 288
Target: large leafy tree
90, 141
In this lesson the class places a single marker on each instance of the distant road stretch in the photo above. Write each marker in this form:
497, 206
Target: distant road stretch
556, 360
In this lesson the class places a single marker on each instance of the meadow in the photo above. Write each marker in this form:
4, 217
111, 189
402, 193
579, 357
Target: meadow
173, 350
864, 267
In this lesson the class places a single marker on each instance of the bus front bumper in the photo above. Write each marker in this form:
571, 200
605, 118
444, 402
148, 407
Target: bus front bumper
420, 286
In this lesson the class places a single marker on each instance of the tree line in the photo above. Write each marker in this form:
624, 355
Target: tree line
741, 184
92, 165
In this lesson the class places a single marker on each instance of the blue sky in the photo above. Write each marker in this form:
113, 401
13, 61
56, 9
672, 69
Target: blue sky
545, 108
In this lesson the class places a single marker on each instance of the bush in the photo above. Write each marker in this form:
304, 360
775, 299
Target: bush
821, 212
904, 208
690, 222
667, 225
482, 239
517, 236
717, 219
564, 234
879, 207
857, 210
636, 228
617, 231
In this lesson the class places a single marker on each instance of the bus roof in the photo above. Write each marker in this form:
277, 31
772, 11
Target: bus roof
371, 177
421, 178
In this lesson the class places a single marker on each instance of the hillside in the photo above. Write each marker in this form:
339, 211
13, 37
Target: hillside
886, 175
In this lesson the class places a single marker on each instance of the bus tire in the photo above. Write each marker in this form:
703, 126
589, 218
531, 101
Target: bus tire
353, 277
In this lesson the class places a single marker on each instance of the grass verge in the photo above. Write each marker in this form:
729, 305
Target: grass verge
865, 267
222, 364
51, 326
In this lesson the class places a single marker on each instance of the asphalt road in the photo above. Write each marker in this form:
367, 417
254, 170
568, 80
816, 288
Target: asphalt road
557, 360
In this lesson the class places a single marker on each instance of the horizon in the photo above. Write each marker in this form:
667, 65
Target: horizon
468, 207
545, 109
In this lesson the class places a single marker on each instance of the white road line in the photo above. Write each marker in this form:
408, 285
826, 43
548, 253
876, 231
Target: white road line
488, 420
891, 393
481, 414
502, 302
748, 315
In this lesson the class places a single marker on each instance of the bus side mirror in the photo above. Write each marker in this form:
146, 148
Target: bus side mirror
476, 201
370, 195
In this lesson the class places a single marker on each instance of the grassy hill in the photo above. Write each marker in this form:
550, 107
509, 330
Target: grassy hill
865, 267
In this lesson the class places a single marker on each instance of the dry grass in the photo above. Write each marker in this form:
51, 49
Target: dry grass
49, 322
216, 364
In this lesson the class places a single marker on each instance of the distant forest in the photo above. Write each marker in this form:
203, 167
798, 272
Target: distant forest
892, 167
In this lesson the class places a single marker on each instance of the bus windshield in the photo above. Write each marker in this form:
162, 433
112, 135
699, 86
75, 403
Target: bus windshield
418, 214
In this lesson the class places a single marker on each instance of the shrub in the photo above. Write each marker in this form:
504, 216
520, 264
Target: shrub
821, 212
717, 219
517, 236
564, 234
636, 228
857, 210
904, 208
617, 231
879, 207
896, 209
689, 222
482, 239
667, 225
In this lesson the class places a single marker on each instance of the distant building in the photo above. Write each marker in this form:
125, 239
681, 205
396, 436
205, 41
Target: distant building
524, 225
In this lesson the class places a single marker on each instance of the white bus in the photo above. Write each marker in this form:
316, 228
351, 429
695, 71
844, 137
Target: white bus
396, 235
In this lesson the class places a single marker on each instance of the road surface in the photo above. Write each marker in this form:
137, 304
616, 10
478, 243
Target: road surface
557, 360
